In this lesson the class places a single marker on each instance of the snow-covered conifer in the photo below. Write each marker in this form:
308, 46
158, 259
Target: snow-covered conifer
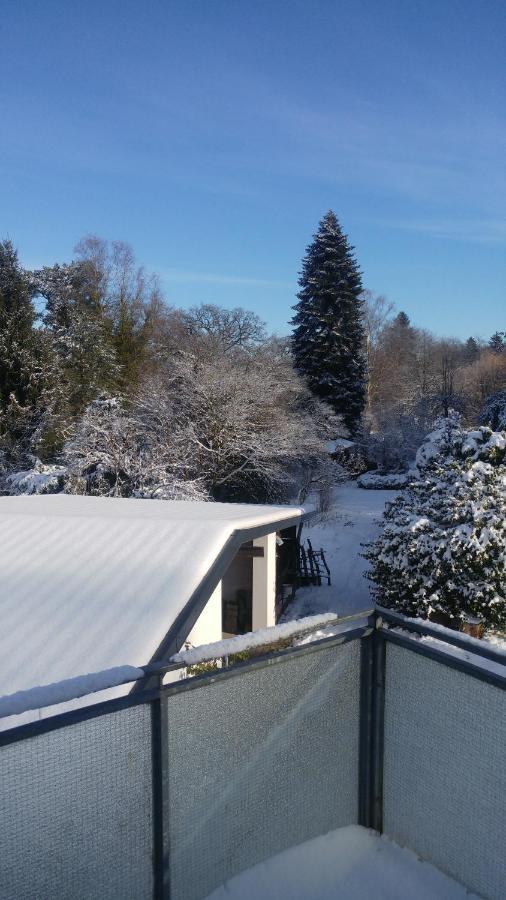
497, 342
471, 350
80, 335
494, 411
23, 361
442, 551
328, 338
17, 335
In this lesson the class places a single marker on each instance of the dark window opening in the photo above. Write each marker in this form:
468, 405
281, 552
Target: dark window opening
237, 594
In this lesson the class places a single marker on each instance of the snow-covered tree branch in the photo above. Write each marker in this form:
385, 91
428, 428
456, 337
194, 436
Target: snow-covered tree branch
442, 552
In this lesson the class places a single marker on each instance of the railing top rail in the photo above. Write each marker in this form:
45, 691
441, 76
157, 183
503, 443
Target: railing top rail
440, 633
353, 633
255, 640
89, 685
449, 655
461, 652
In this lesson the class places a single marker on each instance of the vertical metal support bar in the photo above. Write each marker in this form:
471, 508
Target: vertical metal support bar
365, 756
378, 728
372, 706
159, 751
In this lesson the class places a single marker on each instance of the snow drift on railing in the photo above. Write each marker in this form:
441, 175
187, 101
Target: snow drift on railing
252, 640
72, 688
68, 689
472, 656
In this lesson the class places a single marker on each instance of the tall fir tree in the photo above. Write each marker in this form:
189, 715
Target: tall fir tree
497, 342
471, 350
22, 357
17, 337
80, 331
328, 339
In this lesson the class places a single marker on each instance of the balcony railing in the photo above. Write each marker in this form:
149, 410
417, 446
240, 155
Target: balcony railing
170, 791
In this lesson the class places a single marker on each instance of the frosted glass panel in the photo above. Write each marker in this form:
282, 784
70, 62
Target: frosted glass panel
445, 769
260, 762
75, 814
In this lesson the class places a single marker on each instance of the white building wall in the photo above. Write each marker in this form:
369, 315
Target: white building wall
264, 583
208, 627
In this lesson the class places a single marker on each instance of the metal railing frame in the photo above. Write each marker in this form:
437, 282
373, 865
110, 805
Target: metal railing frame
374, 633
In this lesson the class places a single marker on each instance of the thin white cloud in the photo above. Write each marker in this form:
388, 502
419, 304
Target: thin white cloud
182, 276
478, 230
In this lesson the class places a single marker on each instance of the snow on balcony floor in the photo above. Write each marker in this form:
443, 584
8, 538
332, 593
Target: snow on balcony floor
349, 864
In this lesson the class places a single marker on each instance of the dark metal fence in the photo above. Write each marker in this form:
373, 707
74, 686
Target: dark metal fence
168, 792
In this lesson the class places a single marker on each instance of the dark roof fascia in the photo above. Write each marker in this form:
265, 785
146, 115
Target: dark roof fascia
309, 516
186, 619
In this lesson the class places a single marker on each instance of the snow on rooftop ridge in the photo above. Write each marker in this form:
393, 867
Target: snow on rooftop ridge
72, 505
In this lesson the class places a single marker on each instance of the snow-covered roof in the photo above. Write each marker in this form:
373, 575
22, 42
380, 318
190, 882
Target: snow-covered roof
338, 444
88, 583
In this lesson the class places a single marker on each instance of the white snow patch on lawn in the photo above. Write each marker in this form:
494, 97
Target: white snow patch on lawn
352, 521
348, 864
498, 640
373, 482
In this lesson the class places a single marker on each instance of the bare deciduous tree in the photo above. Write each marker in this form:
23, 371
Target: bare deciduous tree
236, 427
225, 329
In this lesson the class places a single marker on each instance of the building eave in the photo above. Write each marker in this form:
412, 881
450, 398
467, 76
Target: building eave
186, 619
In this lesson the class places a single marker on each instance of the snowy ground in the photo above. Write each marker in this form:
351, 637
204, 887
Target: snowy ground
349, 864
352, 521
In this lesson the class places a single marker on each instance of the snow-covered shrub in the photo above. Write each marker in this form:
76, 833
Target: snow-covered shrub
242, 427
390, 445
349, 456
442, 552
116, 452
244, 424
395, 481
40, 479
317, 482
494, 412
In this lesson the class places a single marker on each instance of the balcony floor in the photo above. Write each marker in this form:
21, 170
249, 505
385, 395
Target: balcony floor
349, 864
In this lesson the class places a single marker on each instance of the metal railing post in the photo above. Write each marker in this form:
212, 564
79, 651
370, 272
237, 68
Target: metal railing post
378, 728
366, 691
160, 783
372, 705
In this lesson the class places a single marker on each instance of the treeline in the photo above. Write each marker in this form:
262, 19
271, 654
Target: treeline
131, 397
106, 389
414, 377
387, 379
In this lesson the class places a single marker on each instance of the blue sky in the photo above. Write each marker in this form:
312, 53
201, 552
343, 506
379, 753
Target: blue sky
214, 135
